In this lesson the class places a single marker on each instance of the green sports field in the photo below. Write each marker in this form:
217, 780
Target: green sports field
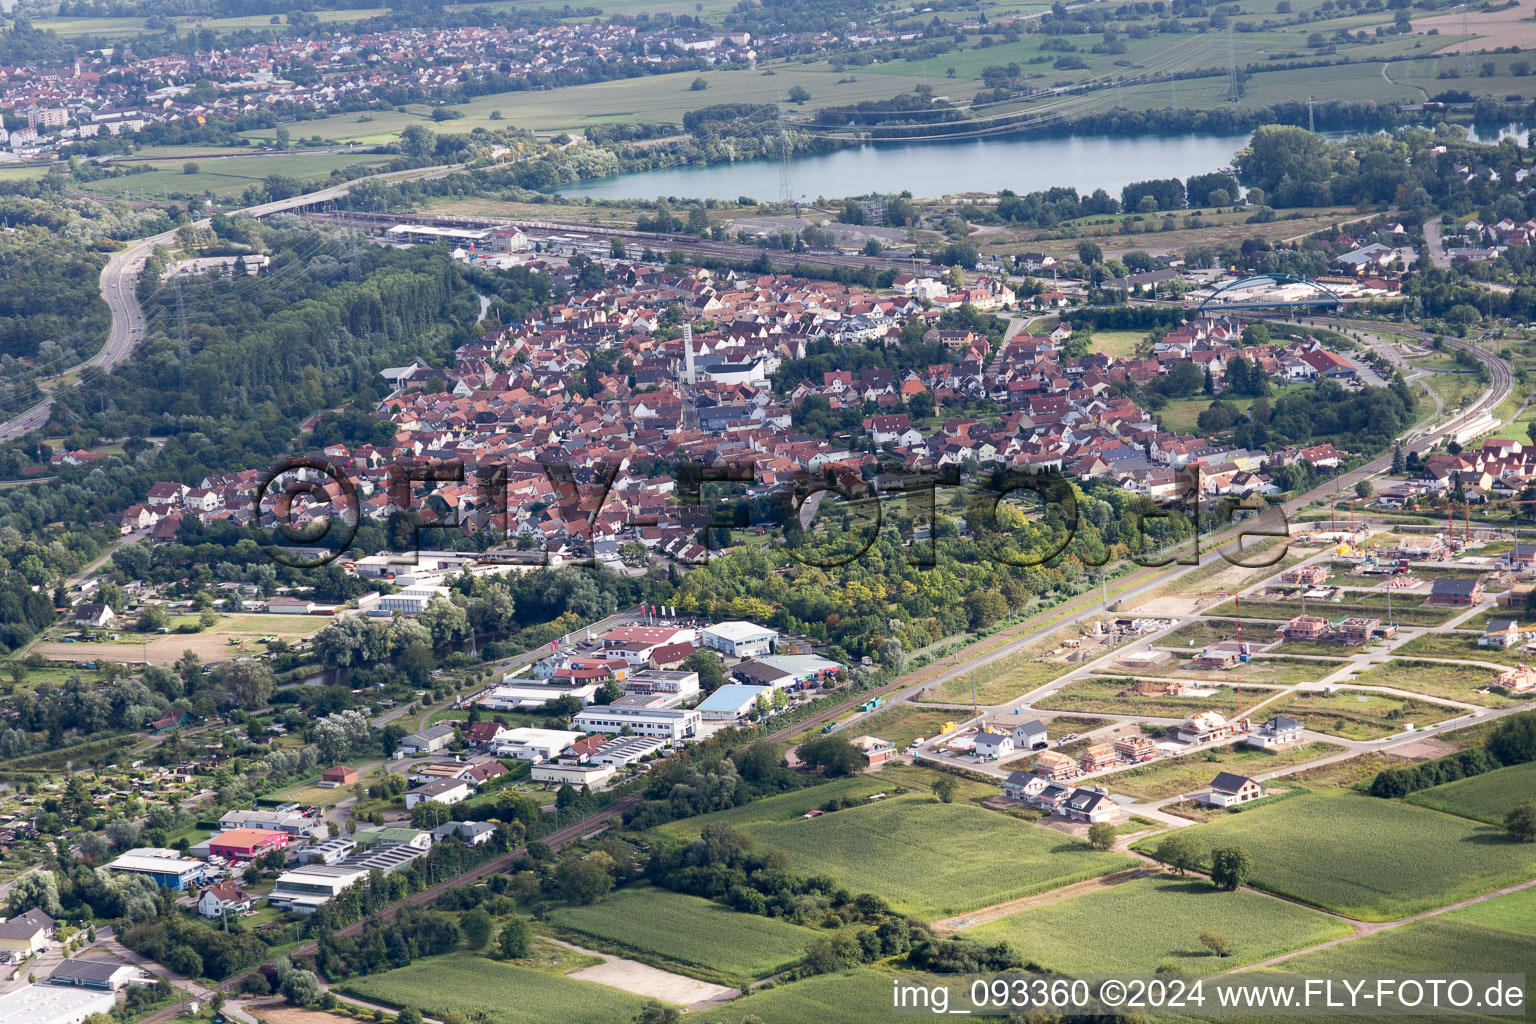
929, 858
495, 993
1138, 926
1482, 797
1352, 854
690, 934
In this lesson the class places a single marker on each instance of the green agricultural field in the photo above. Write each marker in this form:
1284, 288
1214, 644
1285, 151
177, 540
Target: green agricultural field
1360, 716
496, 993
1482, 797
689, 934
1497, 935
228, 176
930, 859
784, 807
1193, 772
1157, 921
1436, 679
1346, 852
1102, 696
853, 997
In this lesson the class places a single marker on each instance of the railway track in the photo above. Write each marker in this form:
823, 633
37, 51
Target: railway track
582, 829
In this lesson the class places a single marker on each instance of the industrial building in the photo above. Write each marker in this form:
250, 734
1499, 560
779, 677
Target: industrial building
533, 744
739, 639
303, 890
731, 702
668, 723
53, 1004
168, 868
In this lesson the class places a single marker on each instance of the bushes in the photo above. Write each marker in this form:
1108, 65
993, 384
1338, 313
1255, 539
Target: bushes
1399, 782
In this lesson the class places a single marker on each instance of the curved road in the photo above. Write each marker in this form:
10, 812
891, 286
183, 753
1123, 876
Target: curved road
120, 277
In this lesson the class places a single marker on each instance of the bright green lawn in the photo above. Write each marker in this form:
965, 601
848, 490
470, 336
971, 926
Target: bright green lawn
1155, 921
1371, 859
495, 993
690, 932
929, 858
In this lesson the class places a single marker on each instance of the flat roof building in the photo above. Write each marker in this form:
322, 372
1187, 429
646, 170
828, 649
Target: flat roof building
168, 868
512, 697
731, 702
305, 889
739, 639
534, 744
53, 1004
108, 975
668, 723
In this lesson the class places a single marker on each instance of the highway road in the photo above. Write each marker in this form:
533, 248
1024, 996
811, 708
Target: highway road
120, 277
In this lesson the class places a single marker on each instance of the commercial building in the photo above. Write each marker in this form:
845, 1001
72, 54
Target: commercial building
53, 1004
430, 740
328, 851
625, 750
103, 975
739, 639
168, 868
243, 844
577, 775
668, 723
786, 671
514, 697
291, 822
731, 702
655, 680
534, 744
305, 889
413, 600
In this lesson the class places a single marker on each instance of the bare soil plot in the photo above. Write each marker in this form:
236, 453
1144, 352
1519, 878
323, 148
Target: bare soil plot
1509, 27
212, 644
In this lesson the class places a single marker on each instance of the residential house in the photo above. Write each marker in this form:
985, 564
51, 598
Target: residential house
1279, 731
26, 933
1030, 735
993, 746
441, 791
1455, 593
1228, 789
225, 898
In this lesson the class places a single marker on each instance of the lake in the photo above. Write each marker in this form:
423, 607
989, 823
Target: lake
931, 169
